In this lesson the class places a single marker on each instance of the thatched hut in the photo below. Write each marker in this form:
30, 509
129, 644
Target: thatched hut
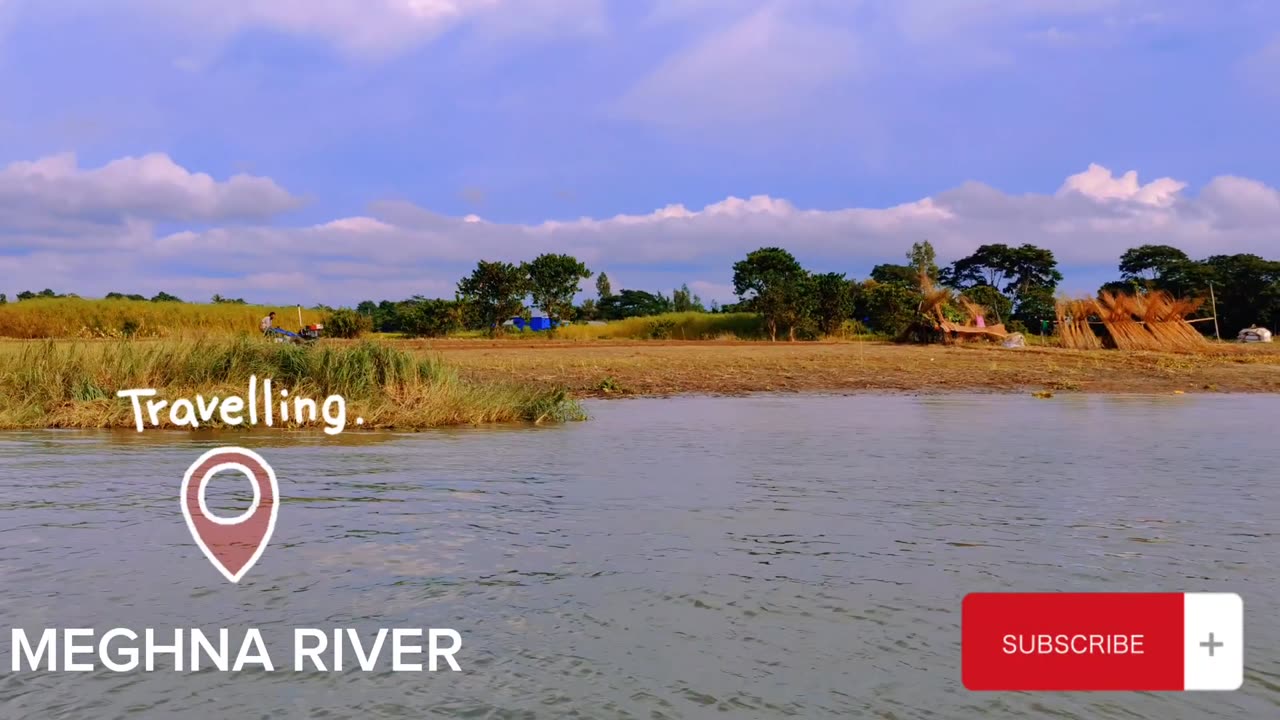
937, 300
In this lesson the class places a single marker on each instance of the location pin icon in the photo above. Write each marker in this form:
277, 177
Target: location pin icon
234, 544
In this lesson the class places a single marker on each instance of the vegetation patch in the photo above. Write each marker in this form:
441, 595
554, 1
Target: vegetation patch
74, 384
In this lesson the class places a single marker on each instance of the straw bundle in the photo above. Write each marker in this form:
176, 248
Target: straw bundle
1118, 314
934, 298
1073, 324
1165, 318
973, 309
1153, 321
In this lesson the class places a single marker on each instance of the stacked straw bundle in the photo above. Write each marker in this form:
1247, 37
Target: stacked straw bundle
1073, 324
1119, 315
1165, 318
1155, 321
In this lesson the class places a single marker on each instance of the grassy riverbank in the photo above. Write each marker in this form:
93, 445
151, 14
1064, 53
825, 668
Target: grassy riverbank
53, 384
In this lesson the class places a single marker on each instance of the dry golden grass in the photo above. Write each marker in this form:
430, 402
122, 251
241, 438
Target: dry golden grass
669, 326
84, 318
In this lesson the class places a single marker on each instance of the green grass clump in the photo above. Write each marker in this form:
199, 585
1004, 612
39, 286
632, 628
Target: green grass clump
74, 384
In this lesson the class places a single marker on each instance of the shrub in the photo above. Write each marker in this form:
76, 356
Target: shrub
346, 323
429, 318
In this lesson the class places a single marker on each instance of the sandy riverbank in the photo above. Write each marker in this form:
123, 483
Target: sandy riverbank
610, 368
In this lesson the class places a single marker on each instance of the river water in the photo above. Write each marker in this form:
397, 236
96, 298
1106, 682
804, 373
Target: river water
764, 557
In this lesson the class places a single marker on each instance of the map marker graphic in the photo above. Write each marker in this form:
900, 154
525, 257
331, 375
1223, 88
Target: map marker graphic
234, 544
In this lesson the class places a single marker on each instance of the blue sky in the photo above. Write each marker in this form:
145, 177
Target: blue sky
308, 150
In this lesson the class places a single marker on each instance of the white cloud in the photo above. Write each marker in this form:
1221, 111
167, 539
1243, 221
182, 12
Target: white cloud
1099, 184
55, 190
399, 249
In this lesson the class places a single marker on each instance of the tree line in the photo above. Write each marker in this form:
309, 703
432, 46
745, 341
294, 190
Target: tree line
1016, 284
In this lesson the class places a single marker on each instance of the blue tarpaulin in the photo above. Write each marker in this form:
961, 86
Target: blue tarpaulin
537, 324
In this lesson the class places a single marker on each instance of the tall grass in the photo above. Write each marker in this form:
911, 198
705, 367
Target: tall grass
74, 384
672, 326
84, 318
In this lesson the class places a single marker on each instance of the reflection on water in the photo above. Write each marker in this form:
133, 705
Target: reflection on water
757, 558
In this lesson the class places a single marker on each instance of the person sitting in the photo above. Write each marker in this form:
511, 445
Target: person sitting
267, 323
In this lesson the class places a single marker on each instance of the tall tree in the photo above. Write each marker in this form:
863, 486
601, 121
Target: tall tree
923, 259
988, 265
1147, 264
1247, 290
896, 274
683, 300
1018, 272
553, 281
774, 283
1032, 268
603, 288
496, 291
833, 301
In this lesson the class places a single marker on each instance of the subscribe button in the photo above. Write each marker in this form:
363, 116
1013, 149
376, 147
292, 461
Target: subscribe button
1102, 641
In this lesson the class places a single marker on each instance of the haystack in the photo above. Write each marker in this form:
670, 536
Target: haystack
1154, 321
1165, 318
1119, 314
1074, 330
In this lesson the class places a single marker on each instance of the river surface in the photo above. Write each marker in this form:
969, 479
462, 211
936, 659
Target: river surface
764, 557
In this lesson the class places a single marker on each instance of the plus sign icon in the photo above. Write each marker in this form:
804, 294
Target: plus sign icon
1102, 641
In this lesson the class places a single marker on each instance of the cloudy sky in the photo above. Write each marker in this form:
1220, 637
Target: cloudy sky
336, 150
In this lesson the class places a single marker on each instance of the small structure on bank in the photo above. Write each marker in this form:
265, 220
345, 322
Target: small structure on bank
938, 301
1254, 334
1151, 321
537, 323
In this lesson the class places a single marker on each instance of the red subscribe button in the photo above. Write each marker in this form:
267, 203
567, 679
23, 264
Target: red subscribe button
1102, 641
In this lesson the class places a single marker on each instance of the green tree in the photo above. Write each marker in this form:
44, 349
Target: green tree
922, 258
890, 308
775, 284
633, 303
4, 299
896, 274
1247, 291
1032, 269
1035, 308
683, 300
603, 288
1015, 271
833, 301
165, 297
1147, 264
553, 281
588, 310
427, 317
496, 290
1000, 306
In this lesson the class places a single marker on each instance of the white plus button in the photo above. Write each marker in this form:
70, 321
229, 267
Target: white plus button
1213, 641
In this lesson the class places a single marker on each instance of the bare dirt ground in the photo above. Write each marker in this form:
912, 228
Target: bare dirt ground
619, 368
